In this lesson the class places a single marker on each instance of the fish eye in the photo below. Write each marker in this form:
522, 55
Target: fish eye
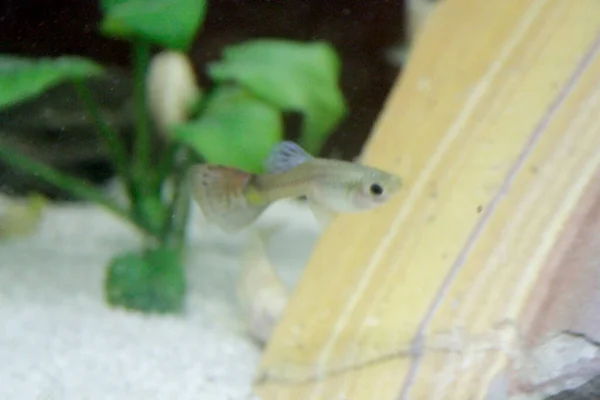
376, 189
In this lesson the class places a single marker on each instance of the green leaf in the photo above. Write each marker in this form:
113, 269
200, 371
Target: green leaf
168, 23
22, 78
153, 282
300, 77
106, 5
236, 129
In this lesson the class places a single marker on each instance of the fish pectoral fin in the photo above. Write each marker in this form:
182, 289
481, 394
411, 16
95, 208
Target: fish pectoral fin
285, 156
219, 191
323, 214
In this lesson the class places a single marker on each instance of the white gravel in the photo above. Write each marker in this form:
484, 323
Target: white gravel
59, 340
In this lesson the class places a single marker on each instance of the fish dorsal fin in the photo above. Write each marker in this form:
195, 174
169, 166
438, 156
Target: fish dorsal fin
285, 156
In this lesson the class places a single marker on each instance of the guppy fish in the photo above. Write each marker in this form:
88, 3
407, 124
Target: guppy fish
233, 199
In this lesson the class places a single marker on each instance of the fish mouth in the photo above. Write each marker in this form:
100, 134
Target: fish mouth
392, 191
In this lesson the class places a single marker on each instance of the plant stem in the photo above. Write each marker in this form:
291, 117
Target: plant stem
165, 164
68, 183
180, 158
175, 229
146, 201
141, 57
115, 147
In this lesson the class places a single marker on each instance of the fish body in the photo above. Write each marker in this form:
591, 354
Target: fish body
233, 199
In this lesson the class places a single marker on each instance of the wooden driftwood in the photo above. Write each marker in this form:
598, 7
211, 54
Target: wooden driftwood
477, 278
417, 12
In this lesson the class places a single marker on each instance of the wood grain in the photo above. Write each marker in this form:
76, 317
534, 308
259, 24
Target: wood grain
493, 127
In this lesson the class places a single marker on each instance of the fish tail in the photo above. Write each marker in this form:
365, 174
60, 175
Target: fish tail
225, 196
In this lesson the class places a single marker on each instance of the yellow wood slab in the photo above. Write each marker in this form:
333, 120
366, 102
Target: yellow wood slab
495, 129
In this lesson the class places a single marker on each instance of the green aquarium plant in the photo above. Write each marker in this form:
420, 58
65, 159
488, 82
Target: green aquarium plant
233, 122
